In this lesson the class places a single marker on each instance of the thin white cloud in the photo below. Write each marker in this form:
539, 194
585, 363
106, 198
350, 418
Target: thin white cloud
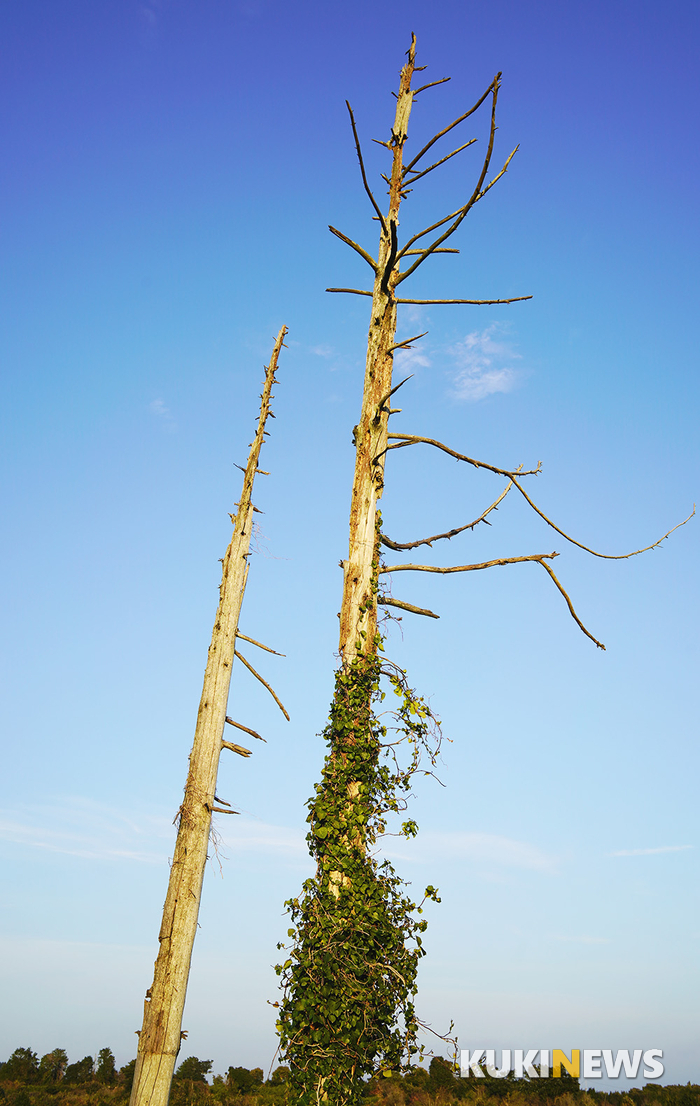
81, 827
159, 408
483, 364
583, 940
486, 849
652, 852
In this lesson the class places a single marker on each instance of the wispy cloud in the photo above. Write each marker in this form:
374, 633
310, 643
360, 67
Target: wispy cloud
486, 849
159, 408
583, 940
483, 364
652, 852
81, 827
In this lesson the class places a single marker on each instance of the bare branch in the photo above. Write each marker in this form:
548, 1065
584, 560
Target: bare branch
242, 752
354, 291
259, 644
456, 123
240, 726
368, 190
262, 681
571, 607
349, 242
405, 343
385, 601
413, 439
394, 389
398, 546
478, 303
409, 253
603, 556
221, 810
431, 85
469, 568
440, 162
476, 195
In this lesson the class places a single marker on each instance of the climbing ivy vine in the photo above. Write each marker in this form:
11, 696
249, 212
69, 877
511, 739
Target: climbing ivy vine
349, 979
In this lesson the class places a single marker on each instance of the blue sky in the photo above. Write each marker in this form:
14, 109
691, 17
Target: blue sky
171, 170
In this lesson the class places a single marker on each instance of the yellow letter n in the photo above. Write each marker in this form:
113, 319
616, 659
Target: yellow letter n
573, 1065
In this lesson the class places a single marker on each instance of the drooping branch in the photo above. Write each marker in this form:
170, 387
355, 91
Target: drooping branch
368, 190
570, 605
386, 601
359, 249
467, 568
593, 552
246, 729
262, 681
398, 546
414, 439
259, 644
539, 558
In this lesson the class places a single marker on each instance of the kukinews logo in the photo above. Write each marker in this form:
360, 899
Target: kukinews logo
589, 1063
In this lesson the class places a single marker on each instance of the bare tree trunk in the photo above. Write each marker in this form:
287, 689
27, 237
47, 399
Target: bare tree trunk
358, 612
161, 1034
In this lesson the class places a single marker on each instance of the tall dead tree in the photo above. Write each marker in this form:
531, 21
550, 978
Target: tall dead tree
349, 978
161, 1034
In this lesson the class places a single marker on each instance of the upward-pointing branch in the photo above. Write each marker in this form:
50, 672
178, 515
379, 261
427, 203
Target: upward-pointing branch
455, 123
368, 190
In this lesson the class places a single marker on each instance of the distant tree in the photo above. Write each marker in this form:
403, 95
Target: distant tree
441, 1074
21, 1067
279, 1075
126, 1075
244, 1080
80, 1072
194, 1069
52, 1066
106, 1071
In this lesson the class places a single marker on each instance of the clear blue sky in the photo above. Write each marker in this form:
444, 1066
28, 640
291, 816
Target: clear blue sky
170, 171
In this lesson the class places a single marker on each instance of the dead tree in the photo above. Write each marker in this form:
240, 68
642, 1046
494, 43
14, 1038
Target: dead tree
350, 975
161, 1034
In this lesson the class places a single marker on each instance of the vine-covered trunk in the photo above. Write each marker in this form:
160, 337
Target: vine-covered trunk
350, 978
161, 1033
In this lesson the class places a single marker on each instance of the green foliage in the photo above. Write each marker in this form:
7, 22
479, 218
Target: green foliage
21, 1067
106, 1071
244, 1080
80, 1072
350, 976
126, 1075
52, 1066
194, 1070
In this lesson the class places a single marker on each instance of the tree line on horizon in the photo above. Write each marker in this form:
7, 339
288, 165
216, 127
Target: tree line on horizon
29, 1080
